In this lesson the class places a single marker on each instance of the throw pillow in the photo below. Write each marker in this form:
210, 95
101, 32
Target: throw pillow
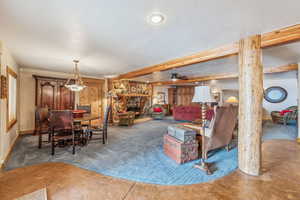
285, 111
157, 109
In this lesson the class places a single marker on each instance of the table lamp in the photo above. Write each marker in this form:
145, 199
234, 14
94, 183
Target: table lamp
203, 95
232, 100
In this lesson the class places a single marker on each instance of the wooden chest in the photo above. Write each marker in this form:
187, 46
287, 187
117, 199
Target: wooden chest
178, 151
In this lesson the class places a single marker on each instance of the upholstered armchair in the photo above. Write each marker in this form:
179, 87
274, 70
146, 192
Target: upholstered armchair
220, 132
157, 111
126, 119
285, 116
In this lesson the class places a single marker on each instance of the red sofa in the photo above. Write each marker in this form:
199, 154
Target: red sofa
187, 113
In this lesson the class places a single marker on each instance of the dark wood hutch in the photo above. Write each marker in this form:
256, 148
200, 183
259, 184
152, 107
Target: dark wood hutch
51, 92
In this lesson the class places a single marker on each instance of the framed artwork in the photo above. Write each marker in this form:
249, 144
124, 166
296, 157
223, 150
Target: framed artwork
3, 91
12, 85
275, 94
161, 98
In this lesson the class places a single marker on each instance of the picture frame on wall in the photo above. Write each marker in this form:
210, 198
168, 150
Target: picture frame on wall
12, 87
3, 87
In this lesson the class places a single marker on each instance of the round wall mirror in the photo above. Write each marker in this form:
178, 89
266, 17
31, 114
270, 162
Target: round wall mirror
275, 94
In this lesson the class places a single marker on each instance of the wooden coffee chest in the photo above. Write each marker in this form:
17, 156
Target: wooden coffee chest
178, 151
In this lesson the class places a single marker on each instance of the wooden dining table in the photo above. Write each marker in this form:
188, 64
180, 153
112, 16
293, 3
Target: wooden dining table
86, 118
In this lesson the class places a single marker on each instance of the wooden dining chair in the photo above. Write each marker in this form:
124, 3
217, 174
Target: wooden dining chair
42, 124
62, 128
88, 109
98, 130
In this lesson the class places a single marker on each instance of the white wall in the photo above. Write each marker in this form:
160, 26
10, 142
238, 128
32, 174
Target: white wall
7, 138
287, 80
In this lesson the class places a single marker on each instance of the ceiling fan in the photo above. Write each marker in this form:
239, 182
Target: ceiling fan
176, 77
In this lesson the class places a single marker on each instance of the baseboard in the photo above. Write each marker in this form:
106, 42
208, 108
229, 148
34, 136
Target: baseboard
27, 132
9, 152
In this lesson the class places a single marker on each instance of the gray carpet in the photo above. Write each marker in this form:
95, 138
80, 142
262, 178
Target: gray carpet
135, 153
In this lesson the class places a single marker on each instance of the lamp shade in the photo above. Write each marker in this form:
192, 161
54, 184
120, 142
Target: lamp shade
202, 94
232, 99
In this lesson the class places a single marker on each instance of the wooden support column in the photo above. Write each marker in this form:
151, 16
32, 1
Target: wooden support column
250, 105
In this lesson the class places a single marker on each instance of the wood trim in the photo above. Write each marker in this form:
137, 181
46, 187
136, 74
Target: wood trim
271, 70
11, 72
48, 77
284, 68
9, 152
10, 124
93, 80
277, 37
281, 36
27, 132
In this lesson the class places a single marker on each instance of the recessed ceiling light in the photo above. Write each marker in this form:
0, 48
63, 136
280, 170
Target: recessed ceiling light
156, 18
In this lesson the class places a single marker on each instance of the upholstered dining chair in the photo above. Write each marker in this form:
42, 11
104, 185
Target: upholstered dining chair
62, 128
42, 124
102, 129
87, 108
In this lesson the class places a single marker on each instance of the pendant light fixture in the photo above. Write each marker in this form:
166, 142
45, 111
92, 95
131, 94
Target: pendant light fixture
75, 83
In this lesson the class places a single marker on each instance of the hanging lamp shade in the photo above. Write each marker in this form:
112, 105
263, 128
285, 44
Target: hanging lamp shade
75, 83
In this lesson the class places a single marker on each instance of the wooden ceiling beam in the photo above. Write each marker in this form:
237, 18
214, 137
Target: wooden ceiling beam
269, 70
278, 37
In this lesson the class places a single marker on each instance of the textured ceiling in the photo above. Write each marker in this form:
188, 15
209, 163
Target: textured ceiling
272, 57
112, 37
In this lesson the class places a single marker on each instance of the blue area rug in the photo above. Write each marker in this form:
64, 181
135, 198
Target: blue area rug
154, 167
134, 153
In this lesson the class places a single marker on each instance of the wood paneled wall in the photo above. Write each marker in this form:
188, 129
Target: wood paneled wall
181, 95
93, 95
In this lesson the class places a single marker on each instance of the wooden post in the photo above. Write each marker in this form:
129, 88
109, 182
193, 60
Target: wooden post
250, 105
298, 76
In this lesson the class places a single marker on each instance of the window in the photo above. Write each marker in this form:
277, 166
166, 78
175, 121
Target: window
11, 118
